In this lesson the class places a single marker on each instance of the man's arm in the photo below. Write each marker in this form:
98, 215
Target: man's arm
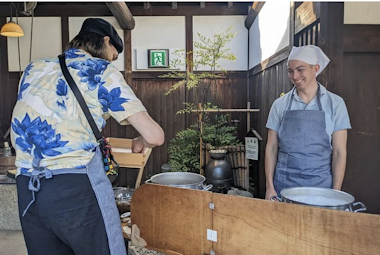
271, 151
339, 156
151, 133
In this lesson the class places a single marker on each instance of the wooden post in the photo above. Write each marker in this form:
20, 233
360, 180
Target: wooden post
246, 161
330, 41
122, 14
200, 138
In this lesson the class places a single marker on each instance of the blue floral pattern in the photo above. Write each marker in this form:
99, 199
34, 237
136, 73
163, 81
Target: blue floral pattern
62, 92
91, 71
37, 137
111, 100
73, 53
23, 85
47, 122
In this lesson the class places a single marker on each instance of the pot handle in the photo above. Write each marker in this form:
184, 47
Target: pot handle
208, 187
148, 181
362, 209
275, 198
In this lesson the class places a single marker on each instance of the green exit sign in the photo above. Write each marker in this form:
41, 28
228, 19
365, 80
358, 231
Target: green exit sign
158, 58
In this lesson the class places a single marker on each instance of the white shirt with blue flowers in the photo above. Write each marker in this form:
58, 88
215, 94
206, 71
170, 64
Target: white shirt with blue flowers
48, 124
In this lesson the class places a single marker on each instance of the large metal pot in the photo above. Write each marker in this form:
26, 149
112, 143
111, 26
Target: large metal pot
181, 180
320, 197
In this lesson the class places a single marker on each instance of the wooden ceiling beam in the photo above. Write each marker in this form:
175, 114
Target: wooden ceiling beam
122, 14
147, 5
255, 9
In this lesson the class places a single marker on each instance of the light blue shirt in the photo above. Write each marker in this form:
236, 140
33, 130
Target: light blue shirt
336, 114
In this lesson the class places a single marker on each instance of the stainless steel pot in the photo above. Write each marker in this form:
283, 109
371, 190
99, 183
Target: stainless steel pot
320, 197
181, 180
123, 197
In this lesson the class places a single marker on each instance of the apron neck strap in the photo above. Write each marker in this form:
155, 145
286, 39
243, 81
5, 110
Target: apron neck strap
318, 98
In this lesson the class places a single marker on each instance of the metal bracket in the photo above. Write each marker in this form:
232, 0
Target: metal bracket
212, 235
211, 206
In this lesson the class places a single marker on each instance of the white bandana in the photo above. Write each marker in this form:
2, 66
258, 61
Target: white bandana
310, 54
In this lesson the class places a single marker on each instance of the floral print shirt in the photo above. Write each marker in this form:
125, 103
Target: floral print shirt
48, 125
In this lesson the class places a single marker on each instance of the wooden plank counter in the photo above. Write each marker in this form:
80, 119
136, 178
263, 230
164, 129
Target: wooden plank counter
175, 221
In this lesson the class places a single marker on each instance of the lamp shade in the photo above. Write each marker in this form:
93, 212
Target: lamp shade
11, 29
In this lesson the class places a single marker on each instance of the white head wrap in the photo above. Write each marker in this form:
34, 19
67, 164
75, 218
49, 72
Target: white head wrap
310, 54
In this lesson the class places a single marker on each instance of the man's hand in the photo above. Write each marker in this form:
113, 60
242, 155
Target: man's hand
138, 145
270, 193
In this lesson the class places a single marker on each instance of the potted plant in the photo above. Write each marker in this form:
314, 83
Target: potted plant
184, 148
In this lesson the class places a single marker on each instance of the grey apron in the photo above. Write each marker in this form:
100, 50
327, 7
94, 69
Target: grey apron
304, 157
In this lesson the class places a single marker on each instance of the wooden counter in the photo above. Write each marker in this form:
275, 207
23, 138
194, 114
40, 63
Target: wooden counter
176, 221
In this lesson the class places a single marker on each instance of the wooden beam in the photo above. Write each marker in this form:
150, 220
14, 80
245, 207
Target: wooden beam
271, 61
203, 5
128, 57
147, 5
305, 14
330, 41
291, 25
174, 5
78, 10
122, 14
255, 9
189, 40
65, 31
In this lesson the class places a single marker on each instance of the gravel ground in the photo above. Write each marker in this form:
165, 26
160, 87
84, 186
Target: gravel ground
139, 250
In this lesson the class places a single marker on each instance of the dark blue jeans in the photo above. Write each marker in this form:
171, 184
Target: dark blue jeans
65, 218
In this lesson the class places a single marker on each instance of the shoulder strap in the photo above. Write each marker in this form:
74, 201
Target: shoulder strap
79, 97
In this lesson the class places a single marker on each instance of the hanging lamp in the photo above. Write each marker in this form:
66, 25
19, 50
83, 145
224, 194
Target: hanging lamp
11, 29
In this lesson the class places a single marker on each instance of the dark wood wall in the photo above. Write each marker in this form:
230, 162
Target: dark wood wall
361, 90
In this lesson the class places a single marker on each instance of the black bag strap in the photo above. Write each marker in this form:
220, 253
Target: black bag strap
79, 97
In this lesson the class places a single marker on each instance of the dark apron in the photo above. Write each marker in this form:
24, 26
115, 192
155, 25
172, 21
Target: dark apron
304, 157
103, 191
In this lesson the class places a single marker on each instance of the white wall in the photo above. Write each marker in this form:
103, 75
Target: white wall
75, 23
362, 13
150, 32
269, 32
47, 41
156, 32
210, 25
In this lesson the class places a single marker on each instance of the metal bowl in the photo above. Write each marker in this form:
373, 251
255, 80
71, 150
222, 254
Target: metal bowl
321, 197
123, 197
181, 180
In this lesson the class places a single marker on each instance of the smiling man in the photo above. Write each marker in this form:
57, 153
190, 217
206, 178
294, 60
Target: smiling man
307, 129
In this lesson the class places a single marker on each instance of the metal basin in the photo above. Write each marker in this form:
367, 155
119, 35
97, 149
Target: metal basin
180, 180
320, 197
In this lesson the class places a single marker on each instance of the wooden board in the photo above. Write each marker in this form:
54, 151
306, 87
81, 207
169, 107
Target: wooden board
254, 226
173, 220
125, 159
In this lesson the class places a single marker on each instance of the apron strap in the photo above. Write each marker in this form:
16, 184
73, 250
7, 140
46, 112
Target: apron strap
318, 98
35, 184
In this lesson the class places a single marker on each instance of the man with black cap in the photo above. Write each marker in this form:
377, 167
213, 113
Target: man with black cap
66, 201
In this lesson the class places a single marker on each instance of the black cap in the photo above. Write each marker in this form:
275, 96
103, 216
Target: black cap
103, 28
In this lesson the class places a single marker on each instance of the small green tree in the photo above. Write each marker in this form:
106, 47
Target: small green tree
183, 149
207, 53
